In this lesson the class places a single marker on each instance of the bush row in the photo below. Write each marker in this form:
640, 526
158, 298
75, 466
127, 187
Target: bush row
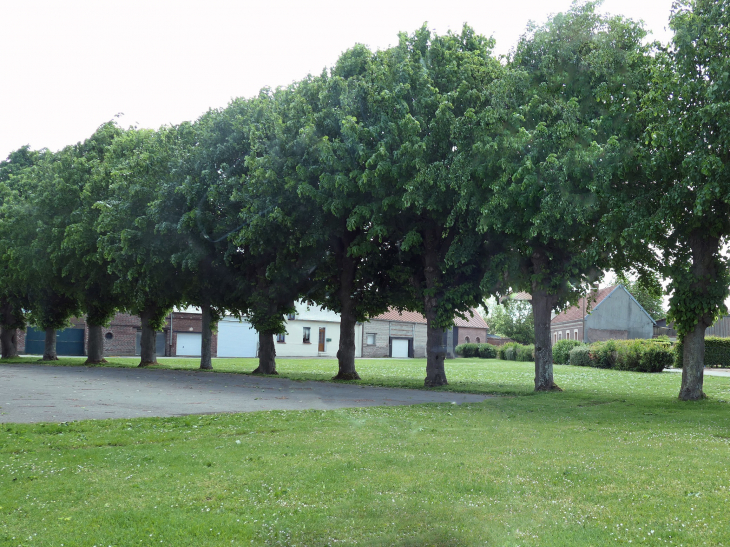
636, 355
512, 351
717, 352
484, 351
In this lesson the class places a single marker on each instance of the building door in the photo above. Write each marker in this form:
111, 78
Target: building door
321, 340
68, 341
399, 348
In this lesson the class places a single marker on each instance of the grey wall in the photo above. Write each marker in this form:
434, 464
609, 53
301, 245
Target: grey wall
620, 312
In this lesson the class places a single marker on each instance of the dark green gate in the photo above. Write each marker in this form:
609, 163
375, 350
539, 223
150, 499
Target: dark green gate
68, 341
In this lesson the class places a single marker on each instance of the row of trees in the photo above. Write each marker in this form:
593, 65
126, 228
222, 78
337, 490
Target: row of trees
426, 176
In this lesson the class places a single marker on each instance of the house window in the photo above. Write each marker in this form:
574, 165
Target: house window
466, 339
280, 339
370, 339
560, 336
575, 334
567, 335
291, 316
305, 335
477, 340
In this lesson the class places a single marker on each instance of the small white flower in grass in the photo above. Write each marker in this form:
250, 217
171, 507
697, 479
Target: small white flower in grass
238, 442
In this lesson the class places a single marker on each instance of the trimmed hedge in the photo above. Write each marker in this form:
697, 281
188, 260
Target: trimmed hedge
487, 351
484, 351
561, 350
717, 352
580, 356
635, 355
512, 351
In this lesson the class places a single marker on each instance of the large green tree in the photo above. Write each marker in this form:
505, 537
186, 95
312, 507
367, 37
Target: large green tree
682, 205
552, 140
139, 255
427, 92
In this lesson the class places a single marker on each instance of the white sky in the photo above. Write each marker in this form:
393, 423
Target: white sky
70, 65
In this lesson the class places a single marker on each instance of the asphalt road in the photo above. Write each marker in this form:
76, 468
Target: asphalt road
38, 393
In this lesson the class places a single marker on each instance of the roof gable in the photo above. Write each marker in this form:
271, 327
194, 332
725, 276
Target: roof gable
586, 306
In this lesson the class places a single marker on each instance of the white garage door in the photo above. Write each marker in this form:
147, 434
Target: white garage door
236, 339
188, 343
400, 348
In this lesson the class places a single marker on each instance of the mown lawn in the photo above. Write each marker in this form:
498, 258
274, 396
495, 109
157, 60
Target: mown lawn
614, 459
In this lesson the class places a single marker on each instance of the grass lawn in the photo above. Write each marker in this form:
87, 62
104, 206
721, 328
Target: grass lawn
614, 459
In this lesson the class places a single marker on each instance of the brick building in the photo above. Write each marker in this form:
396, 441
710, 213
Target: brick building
181, 335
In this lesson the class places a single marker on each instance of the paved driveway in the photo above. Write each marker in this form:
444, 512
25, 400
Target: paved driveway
38, 393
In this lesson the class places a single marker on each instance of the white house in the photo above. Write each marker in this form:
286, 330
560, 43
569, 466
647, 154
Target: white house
310, 332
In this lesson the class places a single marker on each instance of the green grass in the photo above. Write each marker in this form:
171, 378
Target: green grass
615, 459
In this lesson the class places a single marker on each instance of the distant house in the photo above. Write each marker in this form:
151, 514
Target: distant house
403, 334
606, 314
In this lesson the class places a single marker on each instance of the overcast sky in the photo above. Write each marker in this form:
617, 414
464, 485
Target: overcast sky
70, 65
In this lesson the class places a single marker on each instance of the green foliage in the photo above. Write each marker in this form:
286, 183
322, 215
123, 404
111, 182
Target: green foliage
603, 354
717, 352
580, 356
634, 355
484, 351
513, 319
513, 351
561, 350
487, 351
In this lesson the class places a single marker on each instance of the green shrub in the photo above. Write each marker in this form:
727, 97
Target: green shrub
603, 354
487, 351
717, 352
467, 350
580, 356
506, 351
525, 353
561, 350
635, 355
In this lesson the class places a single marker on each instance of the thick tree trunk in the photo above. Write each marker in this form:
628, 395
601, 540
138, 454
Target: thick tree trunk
705, 251
267, 354
435, 348
542, 304
148, 343
693, 361
435, 356
8, 332
346, 351
49, 347
95, 346
206, 340
9, 341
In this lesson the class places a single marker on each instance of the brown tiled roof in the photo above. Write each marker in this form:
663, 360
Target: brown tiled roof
474, 321
406, 316
579, 311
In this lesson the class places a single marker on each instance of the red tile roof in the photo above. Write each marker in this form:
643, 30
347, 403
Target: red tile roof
394, 315
518, 296
473, 319
583, 308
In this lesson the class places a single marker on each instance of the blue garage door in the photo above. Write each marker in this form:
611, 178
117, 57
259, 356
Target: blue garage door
68, 341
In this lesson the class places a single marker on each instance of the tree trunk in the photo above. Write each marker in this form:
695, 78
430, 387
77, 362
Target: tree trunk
542, 304
49, 348
267, 354
693, 357
435, 348
346, 351
206, 340
148, 343
704, 270
8, 331
95, 346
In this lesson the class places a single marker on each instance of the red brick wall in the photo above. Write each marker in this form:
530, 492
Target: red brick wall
472, 333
